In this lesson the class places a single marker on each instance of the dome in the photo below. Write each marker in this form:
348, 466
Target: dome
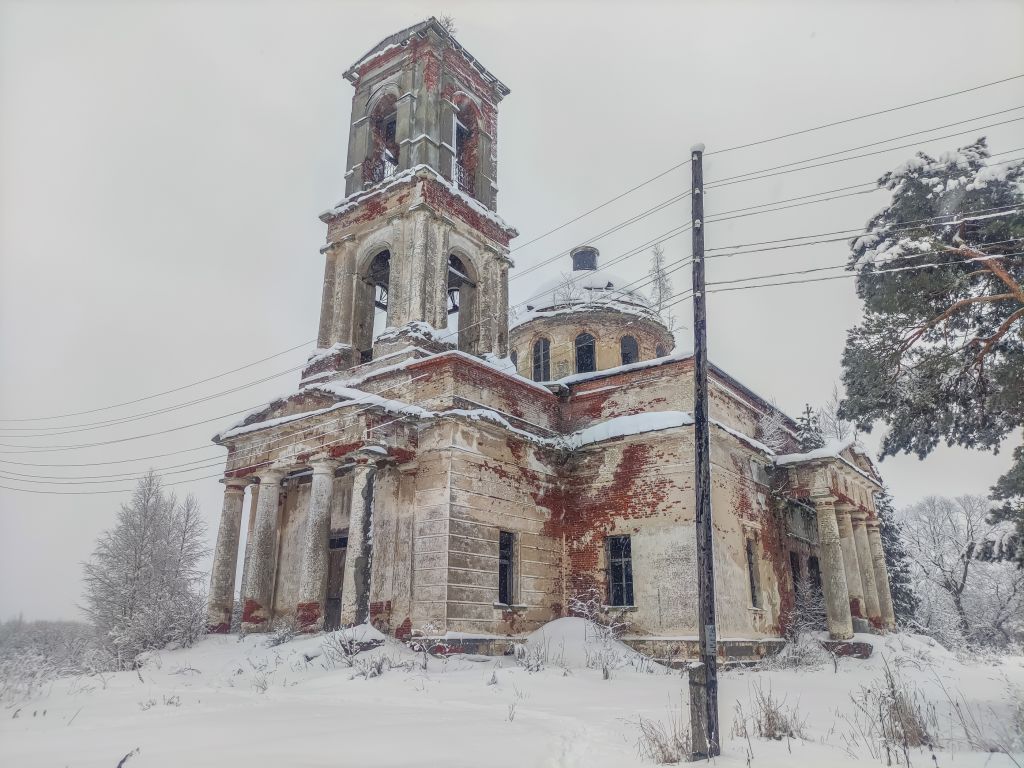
586, 288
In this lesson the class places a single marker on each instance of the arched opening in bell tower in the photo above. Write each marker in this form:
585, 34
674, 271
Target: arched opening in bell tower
465, 143
371, 305
382, 152
463, 311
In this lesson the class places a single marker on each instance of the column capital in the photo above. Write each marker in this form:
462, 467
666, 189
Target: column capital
270, 476
235, 484
324, 466
370, 454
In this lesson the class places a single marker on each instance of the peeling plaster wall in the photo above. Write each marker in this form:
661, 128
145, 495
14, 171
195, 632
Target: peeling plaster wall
290, 532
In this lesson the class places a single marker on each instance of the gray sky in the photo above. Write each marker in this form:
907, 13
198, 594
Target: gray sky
162, 166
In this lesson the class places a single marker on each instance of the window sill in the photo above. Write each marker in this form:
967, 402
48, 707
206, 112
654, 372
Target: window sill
621, 608
755, 609
515, 607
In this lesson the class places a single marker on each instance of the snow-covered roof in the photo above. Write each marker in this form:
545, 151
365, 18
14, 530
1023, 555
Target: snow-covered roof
833, 449
402, 38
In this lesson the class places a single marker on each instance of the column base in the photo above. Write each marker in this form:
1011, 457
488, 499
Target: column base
254, 617
309, 617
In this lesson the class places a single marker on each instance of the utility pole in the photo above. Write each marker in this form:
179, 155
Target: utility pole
703, 677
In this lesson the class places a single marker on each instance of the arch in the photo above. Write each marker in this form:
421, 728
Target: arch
542, 359
382, 145
465, 142
629, 350
371, 298
463, 300
586, 353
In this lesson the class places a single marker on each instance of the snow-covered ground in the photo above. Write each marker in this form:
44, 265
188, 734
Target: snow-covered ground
230, 702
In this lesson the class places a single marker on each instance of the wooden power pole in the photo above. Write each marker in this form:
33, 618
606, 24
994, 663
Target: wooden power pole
704, 677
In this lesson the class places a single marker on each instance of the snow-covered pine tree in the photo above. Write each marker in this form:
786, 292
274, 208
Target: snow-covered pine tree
901, 585
939, 353
808, 431
143, 585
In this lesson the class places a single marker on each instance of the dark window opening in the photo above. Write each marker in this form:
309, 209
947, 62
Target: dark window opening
464, 168
586, 358
338, 542
620, 570
584, 259
542, 360
630, 350
382, 157
506, 548
814, 572
794, 566
755, 596
659, 350
514, 357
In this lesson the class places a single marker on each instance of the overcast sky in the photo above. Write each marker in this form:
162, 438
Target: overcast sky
162, 166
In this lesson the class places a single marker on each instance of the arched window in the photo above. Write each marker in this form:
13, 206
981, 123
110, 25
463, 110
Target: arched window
630, 350
542, 360
659, 351
372, 302
463, 313
586, 355
382, 158
465, 144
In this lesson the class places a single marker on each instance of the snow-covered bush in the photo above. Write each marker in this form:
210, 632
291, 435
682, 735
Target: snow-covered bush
804, 624
284, 630
665, 742
32, 654
769, 716
891, 716
143, 584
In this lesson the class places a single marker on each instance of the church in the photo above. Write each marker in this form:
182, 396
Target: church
445, 472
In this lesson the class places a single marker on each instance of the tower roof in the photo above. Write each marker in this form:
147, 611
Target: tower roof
402, 38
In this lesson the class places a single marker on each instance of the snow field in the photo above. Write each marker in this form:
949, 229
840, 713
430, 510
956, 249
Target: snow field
238, 702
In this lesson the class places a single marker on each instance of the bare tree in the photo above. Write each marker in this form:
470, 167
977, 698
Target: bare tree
985, 601
448, 22
143, 582
568, 292
830, 423
772, 430
661, 286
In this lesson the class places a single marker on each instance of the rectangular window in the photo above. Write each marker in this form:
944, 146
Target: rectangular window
755, 593
620, 570
814, 572
506, 550
794, 567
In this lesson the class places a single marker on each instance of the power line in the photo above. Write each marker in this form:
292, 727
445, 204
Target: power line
882, 141
863, 116
729, 180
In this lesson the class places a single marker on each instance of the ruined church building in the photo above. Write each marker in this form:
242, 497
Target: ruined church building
440, 474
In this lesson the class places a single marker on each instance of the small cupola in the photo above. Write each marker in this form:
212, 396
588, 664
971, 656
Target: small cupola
584, 258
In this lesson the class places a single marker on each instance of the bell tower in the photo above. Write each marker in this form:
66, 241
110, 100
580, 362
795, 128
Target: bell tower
416, 256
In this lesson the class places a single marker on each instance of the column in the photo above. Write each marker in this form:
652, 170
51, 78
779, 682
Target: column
315, 555
833, 575
254, 498
327, 302
355, 584
850, 564
881, 574
867, 568
258, 589
225, 559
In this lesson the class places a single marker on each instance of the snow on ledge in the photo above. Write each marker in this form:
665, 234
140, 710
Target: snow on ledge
624, 426
403, 177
